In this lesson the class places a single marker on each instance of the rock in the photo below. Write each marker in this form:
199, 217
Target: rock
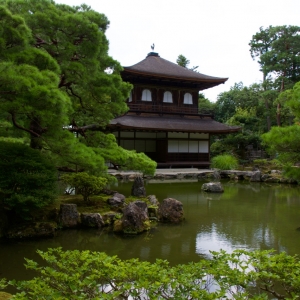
256, 176
216, 175
276, 172
142, 205
138, 188
33, 230
131, 177
212, 187
171, 211
153, 200
116, 200
270, 178
91, 220
152, 209
68, 215
108, 192
135, 218
234, 173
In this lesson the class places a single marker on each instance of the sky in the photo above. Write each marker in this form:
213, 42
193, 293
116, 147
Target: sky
212, 34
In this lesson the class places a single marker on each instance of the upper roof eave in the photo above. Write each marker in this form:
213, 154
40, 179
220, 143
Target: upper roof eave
148, 74
154, 65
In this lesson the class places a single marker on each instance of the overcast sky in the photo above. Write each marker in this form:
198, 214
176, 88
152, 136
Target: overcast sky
212, 34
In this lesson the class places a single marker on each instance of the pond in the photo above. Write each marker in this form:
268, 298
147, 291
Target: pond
246, 216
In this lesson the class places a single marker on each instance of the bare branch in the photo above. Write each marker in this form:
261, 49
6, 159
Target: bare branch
21, 127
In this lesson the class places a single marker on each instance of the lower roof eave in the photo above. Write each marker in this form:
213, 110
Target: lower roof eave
129, 128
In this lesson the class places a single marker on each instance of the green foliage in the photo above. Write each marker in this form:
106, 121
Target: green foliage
283, 142
204, 105
224, 162
27, 180
273, 164
182, 61
93, 275
123, 159
58, 84
246, 103
244, 107
85, 184
277, 49
3, 283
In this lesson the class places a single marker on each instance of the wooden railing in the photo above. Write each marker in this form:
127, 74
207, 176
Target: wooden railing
168, 109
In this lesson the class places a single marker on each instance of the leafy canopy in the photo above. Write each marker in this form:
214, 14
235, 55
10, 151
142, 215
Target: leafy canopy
85, 184
284, 141
58, 82
27, 180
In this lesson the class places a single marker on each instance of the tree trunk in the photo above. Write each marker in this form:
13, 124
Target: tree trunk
267, 105
36, 141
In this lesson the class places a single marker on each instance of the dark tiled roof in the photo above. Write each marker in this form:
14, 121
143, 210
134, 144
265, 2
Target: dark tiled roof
153, 64
171, 123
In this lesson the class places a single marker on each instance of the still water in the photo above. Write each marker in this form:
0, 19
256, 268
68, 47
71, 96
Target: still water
246, 216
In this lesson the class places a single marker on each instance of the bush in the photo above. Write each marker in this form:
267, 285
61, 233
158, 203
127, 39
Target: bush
224, 162
93, 275
85, 184
27, 180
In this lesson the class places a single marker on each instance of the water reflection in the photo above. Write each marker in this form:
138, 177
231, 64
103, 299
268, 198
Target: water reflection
214, 241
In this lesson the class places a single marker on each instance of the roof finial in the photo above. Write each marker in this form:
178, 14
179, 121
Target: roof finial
152, 47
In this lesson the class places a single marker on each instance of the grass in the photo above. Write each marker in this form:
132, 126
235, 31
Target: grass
224, 162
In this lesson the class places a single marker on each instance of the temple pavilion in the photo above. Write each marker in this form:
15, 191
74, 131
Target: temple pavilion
163, 119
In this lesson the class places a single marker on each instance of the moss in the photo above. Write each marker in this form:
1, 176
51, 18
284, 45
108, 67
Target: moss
4, 296
147, 225
118, 226
133, 198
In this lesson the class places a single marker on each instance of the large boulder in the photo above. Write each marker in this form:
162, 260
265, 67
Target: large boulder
170, 211
68, 216
117, 200
91, 220
138, 188
212, 187
135, 218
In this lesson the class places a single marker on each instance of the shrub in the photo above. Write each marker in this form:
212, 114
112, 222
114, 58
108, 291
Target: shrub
93, 275
85, 184
27, 180
224, 162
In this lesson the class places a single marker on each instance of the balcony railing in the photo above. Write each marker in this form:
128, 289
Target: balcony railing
168, 109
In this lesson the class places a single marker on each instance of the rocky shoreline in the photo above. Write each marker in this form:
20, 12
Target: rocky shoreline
273, 176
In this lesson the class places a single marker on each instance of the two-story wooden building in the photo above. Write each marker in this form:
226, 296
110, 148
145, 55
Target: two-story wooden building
163, 120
